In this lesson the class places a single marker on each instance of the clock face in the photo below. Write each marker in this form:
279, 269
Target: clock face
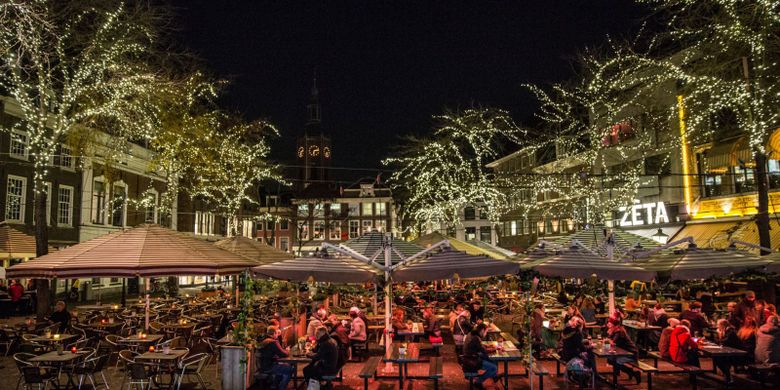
314, 150
326, 152
300, 152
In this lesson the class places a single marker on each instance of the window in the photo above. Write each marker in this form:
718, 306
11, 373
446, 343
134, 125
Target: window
469, 214
270, 225
98, 202
319, 230
367, 225
204, 223
513, 228
16, 194
303, 210
119, 205
335, 209
745, 179
19, 144
482, 213
367, 208
381, 225
354, 209
471, 233
284, 243
65, 206
284, 224
485, 234
150, 211
381, 208
521, 227
247, 227
66, 159
335, 230
304, 233
354, 229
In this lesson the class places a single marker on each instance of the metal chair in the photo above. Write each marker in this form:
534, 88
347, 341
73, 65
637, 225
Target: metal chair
34, 376
139, 375
91, 367
193, 365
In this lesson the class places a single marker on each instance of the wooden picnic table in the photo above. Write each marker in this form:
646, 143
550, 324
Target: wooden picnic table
294, 359
410, 331
642, 331
411, 355
504, 353
600, 352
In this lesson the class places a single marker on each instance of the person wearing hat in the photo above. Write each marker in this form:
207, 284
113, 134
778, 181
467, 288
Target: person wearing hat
357, 331
617, 333
477, 312
695, 317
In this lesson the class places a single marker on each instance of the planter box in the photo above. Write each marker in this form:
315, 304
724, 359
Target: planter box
238, 367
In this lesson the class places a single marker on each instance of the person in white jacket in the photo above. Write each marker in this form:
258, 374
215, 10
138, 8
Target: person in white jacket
357, 332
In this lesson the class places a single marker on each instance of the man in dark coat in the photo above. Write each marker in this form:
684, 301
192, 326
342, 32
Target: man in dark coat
269, 351
324, 357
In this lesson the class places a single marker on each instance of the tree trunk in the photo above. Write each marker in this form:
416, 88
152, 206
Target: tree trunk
43, 301
762, 187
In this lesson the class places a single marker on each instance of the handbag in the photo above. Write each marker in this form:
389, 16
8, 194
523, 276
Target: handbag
313, 385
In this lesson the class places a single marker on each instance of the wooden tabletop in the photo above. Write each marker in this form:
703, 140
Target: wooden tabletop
640, 325
598, 350
509, 351
409, 332
175, 354
56, 357
150, 338
412, 354
63, 338
714, 350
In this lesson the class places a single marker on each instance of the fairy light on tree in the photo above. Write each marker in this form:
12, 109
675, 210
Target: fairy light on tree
74, 68
442, 175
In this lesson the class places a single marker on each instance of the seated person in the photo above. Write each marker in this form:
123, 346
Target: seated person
315, 321
571, 339
398, 322
431, 324
617, 333
768, 342
324, 357
60, 316
476, 355
269, 352
682, 348
665, 338
696, 318
477, 312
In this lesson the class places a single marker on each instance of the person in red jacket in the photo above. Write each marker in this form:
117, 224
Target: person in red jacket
15, 291
682, 347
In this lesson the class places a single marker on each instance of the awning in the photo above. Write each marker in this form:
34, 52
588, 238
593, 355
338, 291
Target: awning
718, 235
729, 154
696, 263
448, 263
320, 269
146, 250
15, 244
581, 263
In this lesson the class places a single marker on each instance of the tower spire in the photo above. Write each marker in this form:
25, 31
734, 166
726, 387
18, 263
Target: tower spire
314, 105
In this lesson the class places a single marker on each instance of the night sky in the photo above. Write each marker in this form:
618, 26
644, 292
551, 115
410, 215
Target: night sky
384, 68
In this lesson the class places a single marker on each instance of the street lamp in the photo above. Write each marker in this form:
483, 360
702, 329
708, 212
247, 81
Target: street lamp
660, 236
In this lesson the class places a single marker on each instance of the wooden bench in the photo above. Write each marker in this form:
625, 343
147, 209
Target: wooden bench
329, 379
646, 369
508, 337
692, 371
538, 370
369, 370
558, 363
761, 369
436, 371
470, 376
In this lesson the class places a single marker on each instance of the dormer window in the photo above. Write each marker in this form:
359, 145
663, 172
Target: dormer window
366, 190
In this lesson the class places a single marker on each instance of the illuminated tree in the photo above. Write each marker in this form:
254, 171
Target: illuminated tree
74, 68
234, 160
442, 175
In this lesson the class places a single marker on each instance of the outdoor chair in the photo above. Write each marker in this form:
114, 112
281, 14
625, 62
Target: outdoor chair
193, 365
7, 339
139, 375
32, 348
33, 376
91, 367
21, 361
176, 342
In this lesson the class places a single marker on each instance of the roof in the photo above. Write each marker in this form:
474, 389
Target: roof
146, 250
254, 250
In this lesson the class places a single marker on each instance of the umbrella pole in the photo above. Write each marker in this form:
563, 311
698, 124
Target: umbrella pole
146, 306
611, 283
235, 282
123, 299
388, 291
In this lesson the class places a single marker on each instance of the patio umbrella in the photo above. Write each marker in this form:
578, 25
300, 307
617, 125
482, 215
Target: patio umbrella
255, 250
447, 263
578, 262
144, 251
696, 263
370, 246
593, 238
333, 269
468, 247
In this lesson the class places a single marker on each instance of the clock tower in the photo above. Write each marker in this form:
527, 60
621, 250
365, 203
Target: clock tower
313, 149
